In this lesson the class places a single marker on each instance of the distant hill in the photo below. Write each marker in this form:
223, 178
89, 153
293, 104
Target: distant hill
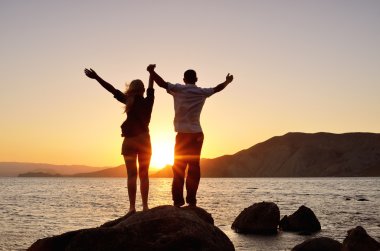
118, 171
290, 155
15, 168
114, 172
300, 155
39, 174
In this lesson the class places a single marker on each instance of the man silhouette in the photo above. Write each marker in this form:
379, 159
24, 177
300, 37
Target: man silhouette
188, 103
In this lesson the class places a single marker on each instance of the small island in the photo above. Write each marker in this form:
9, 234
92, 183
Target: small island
40, 174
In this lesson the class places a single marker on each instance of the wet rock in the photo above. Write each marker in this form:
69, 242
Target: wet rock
260, 218
161, 228
363, 199
358, 240
303, 221
319, 244
203, 214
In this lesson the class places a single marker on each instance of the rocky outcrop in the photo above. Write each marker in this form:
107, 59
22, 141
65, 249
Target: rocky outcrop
318, 244
358, 240
203, 214
161, 228
260, 218
303, 221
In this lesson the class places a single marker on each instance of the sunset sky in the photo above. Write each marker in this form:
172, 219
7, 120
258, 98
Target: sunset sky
298, 65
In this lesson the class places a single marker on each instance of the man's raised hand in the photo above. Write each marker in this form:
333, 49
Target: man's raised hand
229, 78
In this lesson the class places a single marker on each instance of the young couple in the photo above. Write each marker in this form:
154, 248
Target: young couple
188, 102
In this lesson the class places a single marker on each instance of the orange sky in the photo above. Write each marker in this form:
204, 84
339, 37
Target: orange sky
304, 66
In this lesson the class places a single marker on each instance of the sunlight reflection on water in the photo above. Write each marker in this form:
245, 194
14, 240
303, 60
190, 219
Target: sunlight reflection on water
33, 208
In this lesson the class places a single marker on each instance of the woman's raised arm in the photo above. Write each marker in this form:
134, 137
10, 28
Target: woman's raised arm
92, 74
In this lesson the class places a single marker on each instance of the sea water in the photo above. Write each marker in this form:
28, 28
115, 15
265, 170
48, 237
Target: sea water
33, 208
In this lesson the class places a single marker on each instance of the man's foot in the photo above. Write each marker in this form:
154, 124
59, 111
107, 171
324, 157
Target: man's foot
145, 208
180, 204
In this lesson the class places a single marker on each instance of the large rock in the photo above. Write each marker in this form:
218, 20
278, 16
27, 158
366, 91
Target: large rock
161, 228
260, 218
358, 240
303, 220
203, 214
319, 244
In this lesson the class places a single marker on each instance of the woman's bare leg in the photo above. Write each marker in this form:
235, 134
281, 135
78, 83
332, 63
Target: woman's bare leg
130, 163
144, 162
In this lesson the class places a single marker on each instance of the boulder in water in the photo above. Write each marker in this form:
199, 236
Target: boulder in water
260, 218
358, 240
303, 220
318, 244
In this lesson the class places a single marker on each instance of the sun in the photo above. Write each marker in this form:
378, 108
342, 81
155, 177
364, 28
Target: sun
162, 153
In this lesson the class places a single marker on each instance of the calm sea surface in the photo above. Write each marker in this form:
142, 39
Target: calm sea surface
33, 208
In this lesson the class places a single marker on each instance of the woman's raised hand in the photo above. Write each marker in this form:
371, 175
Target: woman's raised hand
151, 67
90, 73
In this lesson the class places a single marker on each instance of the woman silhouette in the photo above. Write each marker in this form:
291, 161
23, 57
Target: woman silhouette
135, 130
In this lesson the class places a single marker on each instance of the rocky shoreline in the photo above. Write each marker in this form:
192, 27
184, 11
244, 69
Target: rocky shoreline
160, 228
193, 229
264, 218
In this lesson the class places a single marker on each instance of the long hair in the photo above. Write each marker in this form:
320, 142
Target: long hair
135, 88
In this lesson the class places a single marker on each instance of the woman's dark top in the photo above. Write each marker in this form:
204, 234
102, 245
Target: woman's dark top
138, 116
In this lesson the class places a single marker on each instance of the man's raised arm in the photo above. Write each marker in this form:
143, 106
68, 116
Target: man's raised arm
157, 78
223, 85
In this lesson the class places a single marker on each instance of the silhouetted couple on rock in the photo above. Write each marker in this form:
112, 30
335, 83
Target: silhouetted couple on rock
188, 102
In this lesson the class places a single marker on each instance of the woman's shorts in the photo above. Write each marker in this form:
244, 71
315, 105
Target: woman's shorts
139, 144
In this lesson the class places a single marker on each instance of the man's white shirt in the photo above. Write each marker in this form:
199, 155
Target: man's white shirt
188, 103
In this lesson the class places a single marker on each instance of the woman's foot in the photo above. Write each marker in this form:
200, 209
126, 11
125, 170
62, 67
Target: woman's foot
131, 210
145, 208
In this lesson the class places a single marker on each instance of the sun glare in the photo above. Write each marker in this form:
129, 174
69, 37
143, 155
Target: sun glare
162, 154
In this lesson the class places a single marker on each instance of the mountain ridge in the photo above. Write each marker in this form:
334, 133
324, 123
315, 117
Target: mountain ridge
298, 154
293, 154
